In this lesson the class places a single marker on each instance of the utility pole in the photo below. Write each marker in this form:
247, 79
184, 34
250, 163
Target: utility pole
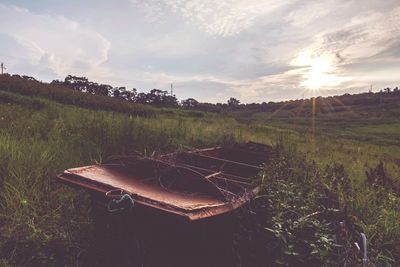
172, 90
2, 67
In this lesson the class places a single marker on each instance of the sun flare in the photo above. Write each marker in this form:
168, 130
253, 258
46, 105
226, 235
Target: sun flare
318, 76
319, 72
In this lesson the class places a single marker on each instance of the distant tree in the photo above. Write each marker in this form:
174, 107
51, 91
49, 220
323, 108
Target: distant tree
264, 106
171, 101
77, 83
221, 106
82, 84
252, 106
209, 107
102, 89
161, 98
124, 94
91, 87
189, 103
133, 95
29, 78
156, 97
233, 103
116, 92
141, 98
57, 82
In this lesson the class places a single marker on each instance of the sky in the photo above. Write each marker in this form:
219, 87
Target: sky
211, 50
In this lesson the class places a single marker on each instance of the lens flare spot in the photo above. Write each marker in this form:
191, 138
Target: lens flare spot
318, 72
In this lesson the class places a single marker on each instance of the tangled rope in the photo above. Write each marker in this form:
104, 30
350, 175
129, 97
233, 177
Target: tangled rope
125, 202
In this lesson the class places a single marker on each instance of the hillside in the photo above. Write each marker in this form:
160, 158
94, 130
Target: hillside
375, 122
30, 87
84, 93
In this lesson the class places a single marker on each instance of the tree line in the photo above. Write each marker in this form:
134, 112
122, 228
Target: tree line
162, 98
155, 97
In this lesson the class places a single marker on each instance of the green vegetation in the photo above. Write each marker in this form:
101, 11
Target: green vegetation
30, 87
314, 180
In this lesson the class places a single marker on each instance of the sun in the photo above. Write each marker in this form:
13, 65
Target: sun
319, 72
318, 75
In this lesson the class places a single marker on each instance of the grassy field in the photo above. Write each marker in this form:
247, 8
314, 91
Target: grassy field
43, 223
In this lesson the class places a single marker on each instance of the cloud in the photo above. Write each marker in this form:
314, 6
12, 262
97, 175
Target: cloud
216, 89
366, 50
364, 36
256, 50
53, 44
309, 12
215, 17
329, 61
277, 60
153, 10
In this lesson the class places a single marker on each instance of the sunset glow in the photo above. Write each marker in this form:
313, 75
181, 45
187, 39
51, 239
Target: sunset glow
318, 72
211, 50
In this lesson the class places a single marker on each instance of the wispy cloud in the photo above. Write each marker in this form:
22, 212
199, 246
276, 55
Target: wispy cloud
53, 43
310, 11
365, 36
215, 17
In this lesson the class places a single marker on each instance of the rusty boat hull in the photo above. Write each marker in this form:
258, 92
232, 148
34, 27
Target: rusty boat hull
189, 185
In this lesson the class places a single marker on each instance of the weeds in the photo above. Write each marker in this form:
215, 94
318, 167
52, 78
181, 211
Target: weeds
293, 222
294, 226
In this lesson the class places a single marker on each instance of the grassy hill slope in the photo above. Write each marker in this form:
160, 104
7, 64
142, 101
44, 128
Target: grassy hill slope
64, 95
43, 223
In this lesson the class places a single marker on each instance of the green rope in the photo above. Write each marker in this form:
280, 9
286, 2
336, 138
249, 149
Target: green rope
125, 202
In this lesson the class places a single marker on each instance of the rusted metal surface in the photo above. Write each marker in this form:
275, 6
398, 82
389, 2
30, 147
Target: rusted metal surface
193, 185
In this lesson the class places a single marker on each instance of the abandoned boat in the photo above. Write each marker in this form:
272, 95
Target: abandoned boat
193, 184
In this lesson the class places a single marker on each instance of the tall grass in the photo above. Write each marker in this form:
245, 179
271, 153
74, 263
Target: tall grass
42, 221
45, 223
